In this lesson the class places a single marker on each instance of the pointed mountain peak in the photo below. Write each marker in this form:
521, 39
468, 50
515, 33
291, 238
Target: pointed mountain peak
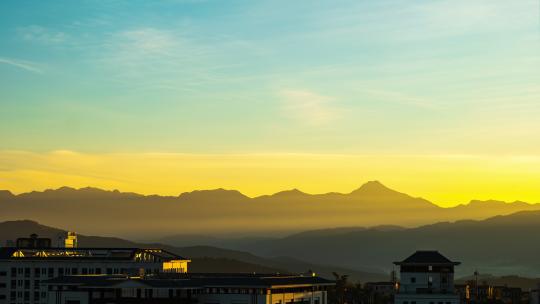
374, 188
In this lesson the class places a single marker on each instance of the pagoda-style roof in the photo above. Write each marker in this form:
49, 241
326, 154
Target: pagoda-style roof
427, 257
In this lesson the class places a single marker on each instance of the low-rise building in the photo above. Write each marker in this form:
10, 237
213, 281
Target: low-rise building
189, 288
486, 293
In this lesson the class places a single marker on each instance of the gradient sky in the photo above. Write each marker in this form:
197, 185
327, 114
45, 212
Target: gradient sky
438, 98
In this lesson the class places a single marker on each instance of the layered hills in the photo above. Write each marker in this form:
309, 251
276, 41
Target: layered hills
229, 212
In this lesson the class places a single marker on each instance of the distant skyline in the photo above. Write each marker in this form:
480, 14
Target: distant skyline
439, 99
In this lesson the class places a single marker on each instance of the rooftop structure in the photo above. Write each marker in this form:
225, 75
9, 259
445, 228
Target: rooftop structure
426, 257
189, 288
426, 277
23, 268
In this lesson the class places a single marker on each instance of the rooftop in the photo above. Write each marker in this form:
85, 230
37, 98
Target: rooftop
139, 254
193, 280
427, 257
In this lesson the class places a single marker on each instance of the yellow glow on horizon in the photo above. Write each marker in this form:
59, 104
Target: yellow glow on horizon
446, 180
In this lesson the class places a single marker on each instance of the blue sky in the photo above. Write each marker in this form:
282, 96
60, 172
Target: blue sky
385, 77
316, 76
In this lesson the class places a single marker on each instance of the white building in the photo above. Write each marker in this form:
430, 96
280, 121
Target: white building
426, 277
189, 288
23, 268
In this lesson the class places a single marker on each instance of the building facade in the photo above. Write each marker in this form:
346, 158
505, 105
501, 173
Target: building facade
426, 277
188, 288
24, 267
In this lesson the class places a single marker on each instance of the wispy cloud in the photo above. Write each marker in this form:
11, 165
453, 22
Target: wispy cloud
159, 59
22, 64
309, 107
42, 34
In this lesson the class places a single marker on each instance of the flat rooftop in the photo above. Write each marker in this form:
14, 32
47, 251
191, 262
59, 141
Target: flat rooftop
194, 281
143, 254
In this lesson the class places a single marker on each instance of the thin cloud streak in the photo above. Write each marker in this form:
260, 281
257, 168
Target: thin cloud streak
21, 64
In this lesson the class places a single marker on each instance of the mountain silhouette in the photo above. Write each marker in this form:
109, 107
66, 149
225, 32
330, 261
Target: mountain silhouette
204, 258
222, 212
500, 245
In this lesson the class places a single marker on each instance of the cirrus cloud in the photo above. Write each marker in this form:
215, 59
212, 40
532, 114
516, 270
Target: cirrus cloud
309, 107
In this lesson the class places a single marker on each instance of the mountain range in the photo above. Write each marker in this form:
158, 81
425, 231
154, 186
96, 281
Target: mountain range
230, 213
204, 258
501, 245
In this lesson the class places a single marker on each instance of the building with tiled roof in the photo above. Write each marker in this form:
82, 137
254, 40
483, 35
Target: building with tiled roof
426, 277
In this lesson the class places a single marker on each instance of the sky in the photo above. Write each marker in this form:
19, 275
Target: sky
438, 99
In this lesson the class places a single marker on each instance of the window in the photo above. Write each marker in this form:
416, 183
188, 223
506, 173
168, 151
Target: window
2, 297
37, 272
36, 284
84, 271
405, 302
413, 280
2, 285
74, 271
26, 284
13, 272
13, 284
3, 273
27, 272
13, 296
51, 272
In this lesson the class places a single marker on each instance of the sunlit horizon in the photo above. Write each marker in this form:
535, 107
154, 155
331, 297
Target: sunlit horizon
436, 99
437, 178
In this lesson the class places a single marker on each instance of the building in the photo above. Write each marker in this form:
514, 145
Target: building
380, 292
426, 277
32, 260
188, 288
486, 293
